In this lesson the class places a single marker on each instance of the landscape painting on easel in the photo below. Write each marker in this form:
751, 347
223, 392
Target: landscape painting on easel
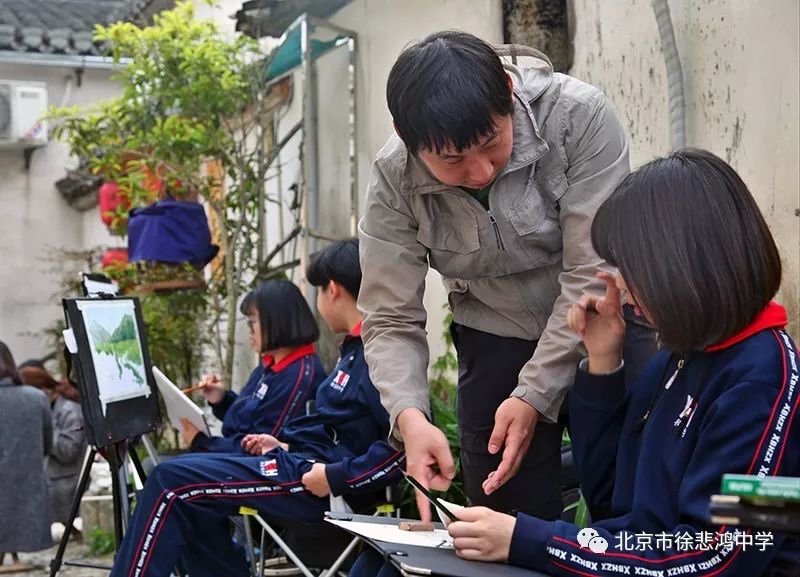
116, 349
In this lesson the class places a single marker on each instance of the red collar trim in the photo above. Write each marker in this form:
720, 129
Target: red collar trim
356, 330
297, 353
355, 333
773, 316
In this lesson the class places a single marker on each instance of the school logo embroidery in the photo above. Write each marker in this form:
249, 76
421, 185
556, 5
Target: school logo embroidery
339, 382
268, 468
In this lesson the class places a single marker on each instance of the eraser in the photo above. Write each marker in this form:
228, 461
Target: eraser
415, 526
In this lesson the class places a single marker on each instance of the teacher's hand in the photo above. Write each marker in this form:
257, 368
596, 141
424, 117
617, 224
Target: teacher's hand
514, 423
426, 448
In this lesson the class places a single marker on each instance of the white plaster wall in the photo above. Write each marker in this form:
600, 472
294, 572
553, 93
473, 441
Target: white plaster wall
384, 28
740, 61
222, 12
36, 217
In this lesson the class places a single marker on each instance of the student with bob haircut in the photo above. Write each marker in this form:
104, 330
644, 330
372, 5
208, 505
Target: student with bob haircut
335, 263
282, 331
340, 449
697, 260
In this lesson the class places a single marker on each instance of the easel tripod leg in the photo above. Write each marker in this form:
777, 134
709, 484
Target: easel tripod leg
117, 492
55, 564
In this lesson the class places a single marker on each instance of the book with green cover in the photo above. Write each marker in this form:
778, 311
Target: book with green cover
767, 489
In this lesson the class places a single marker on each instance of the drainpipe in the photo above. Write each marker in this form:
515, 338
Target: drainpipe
677, 104
61, 60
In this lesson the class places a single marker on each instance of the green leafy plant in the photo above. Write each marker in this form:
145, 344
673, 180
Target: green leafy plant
191, 97
100, 542
581, 509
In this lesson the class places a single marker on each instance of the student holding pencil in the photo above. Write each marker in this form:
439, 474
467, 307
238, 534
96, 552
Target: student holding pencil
282, 332
341, 449
696, 258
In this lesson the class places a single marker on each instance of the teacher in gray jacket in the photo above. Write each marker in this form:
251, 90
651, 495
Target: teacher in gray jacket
492, 178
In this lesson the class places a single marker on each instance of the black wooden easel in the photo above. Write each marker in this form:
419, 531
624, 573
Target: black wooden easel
115, 455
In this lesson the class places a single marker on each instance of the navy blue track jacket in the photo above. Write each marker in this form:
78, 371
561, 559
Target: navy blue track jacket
274, 394
730, 409
342, 432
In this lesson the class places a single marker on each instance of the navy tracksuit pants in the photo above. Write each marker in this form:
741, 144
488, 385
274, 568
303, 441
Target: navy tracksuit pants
182, 513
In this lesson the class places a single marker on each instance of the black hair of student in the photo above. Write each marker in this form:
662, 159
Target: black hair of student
444, 90
692, 246
35, 363
8, 368
336, 262
284, 315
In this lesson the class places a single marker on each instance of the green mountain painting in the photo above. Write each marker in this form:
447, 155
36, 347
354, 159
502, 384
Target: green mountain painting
122, 343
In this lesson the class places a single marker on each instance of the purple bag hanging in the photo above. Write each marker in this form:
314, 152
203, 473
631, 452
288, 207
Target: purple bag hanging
170, 231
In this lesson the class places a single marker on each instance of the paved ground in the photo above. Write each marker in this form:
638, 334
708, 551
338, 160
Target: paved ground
75, 552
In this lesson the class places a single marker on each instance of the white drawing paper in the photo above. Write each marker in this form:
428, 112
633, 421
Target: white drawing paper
178, 405
452, 507
69, 341
391, 533
95, 288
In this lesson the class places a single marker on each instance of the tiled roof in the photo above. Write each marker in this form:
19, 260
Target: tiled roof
61, 26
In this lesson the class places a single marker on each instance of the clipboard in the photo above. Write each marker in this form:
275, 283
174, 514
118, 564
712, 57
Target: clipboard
412, 560
178, 405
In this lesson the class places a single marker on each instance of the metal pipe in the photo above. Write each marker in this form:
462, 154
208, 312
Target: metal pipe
62, 60
305, 50
341, 559
325, 24
248, 533
352, 48
261, 217
282, 544
67, 94
677, 103
279, 169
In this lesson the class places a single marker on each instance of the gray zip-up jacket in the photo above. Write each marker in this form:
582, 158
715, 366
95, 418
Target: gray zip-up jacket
69, 440
512, 271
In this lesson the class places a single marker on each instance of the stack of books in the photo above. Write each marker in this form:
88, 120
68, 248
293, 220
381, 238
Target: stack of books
770, 503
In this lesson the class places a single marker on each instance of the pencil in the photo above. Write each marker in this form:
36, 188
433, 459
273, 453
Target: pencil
192, 389
434, 500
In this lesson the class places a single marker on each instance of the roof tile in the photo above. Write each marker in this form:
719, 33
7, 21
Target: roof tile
61, 26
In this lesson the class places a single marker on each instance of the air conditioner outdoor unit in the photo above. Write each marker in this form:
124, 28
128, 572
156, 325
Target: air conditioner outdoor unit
22, 106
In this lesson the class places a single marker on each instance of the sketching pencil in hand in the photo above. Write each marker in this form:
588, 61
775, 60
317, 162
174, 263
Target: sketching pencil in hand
193, 389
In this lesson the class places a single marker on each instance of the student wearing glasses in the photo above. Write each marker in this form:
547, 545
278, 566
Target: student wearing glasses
282, 331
